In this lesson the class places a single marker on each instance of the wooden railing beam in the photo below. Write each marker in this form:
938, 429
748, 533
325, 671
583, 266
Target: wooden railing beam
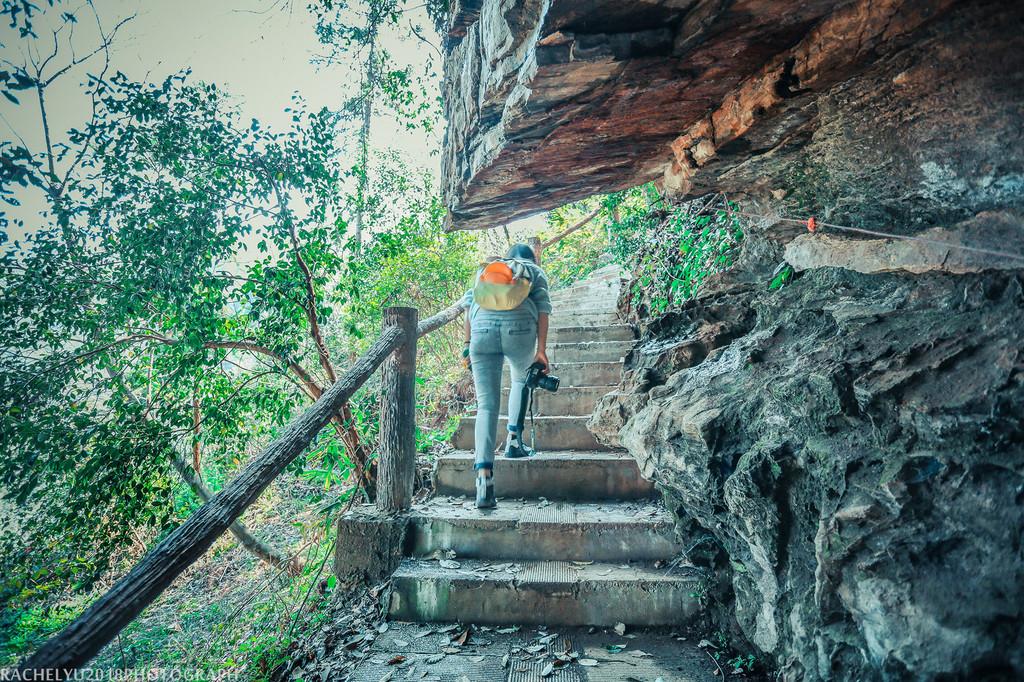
440, 319
82, 639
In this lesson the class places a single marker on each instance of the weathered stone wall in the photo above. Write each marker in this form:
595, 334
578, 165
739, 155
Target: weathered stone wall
549, 101
854, 441
927, 134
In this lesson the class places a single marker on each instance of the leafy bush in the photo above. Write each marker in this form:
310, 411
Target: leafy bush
678, 254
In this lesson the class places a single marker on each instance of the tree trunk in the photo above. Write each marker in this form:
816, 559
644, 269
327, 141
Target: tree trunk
369, 92
82, 639
536, 247
396, 467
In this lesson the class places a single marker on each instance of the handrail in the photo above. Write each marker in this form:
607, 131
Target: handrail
440, 319
82, 639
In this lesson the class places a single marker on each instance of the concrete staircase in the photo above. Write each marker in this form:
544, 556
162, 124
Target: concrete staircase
578, 531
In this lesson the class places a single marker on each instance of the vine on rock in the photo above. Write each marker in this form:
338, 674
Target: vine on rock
675, 255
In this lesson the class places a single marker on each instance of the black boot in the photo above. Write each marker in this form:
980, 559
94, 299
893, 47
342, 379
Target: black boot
485, 492
514, 448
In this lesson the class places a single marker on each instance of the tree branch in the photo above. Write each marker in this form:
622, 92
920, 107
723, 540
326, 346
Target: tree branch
195, 482
565, 233
310, 306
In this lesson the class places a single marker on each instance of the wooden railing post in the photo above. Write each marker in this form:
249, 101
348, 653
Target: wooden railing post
396, 467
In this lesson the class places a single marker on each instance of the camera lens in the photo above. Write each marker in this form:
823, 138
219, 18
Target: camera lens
548, 382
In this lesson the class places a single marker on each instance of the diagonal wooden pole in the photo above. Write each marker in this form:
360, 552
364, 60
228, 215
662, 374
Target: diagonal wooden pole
83, 638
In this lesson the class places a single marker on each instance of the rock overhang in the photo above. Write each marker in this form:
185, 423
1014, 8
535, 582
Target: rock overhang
552, 101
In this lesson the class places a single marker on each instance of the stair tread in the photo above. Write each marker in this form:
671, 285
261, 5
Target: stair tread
563, 344
585, 475
583, 418
595, 387
614, 327
582, 364
538, 572
639, 513
545, 455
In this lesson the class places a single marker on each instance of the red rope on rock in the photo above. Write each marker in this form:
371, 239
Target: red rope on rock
813, 224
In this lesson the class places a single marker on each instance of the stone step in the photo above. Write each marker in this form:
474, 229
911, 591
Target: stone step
610, 270
544, 531
549, 592
552, 433
573, 476
605, 297
611, 332
609, 281
576, 401
589, 351
584, 319
579, 374
588, 303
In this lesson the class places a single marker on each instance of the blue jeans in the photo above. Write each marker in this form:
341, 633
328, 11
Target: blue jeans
494, 336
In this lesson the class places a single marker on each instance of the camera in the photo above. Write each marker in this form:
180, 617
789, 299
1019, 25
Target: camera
536, 378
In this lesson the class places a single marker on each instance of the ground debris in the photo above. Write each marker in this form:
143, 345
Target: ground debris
332, 651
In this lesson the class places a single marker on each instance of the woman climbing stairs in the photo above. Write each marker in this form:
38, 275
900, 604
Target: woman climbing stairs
578, 537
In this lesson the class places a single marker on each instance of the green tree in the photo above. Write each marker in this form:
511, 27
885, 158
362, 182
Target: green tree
355, 33
133, 332
578, 234
410, 261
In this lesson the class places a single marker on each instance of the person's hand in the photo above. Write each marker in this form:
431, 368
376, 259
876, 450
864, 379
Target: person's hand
465, 358
542, 357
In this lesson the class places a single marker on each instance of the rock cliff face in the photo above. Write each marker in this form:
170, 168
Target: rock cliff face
854, 442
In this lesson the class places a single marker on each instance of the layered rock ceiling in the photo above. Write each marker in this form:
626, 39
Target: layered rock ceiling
551, 101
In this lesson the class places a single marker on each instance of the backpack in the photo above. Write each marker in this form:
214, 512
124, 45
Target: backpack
501, 284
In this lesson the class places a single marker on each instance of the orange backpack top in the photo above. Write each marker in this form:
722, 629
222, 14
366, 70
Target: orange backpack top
501, 284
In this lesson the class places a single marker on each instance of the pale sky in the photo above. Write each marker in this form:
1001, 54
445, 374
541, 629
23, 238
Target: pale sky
260, 51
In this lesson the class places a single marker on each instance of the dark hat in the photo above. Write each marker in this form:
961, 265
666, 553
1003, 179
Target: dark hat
522, 252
